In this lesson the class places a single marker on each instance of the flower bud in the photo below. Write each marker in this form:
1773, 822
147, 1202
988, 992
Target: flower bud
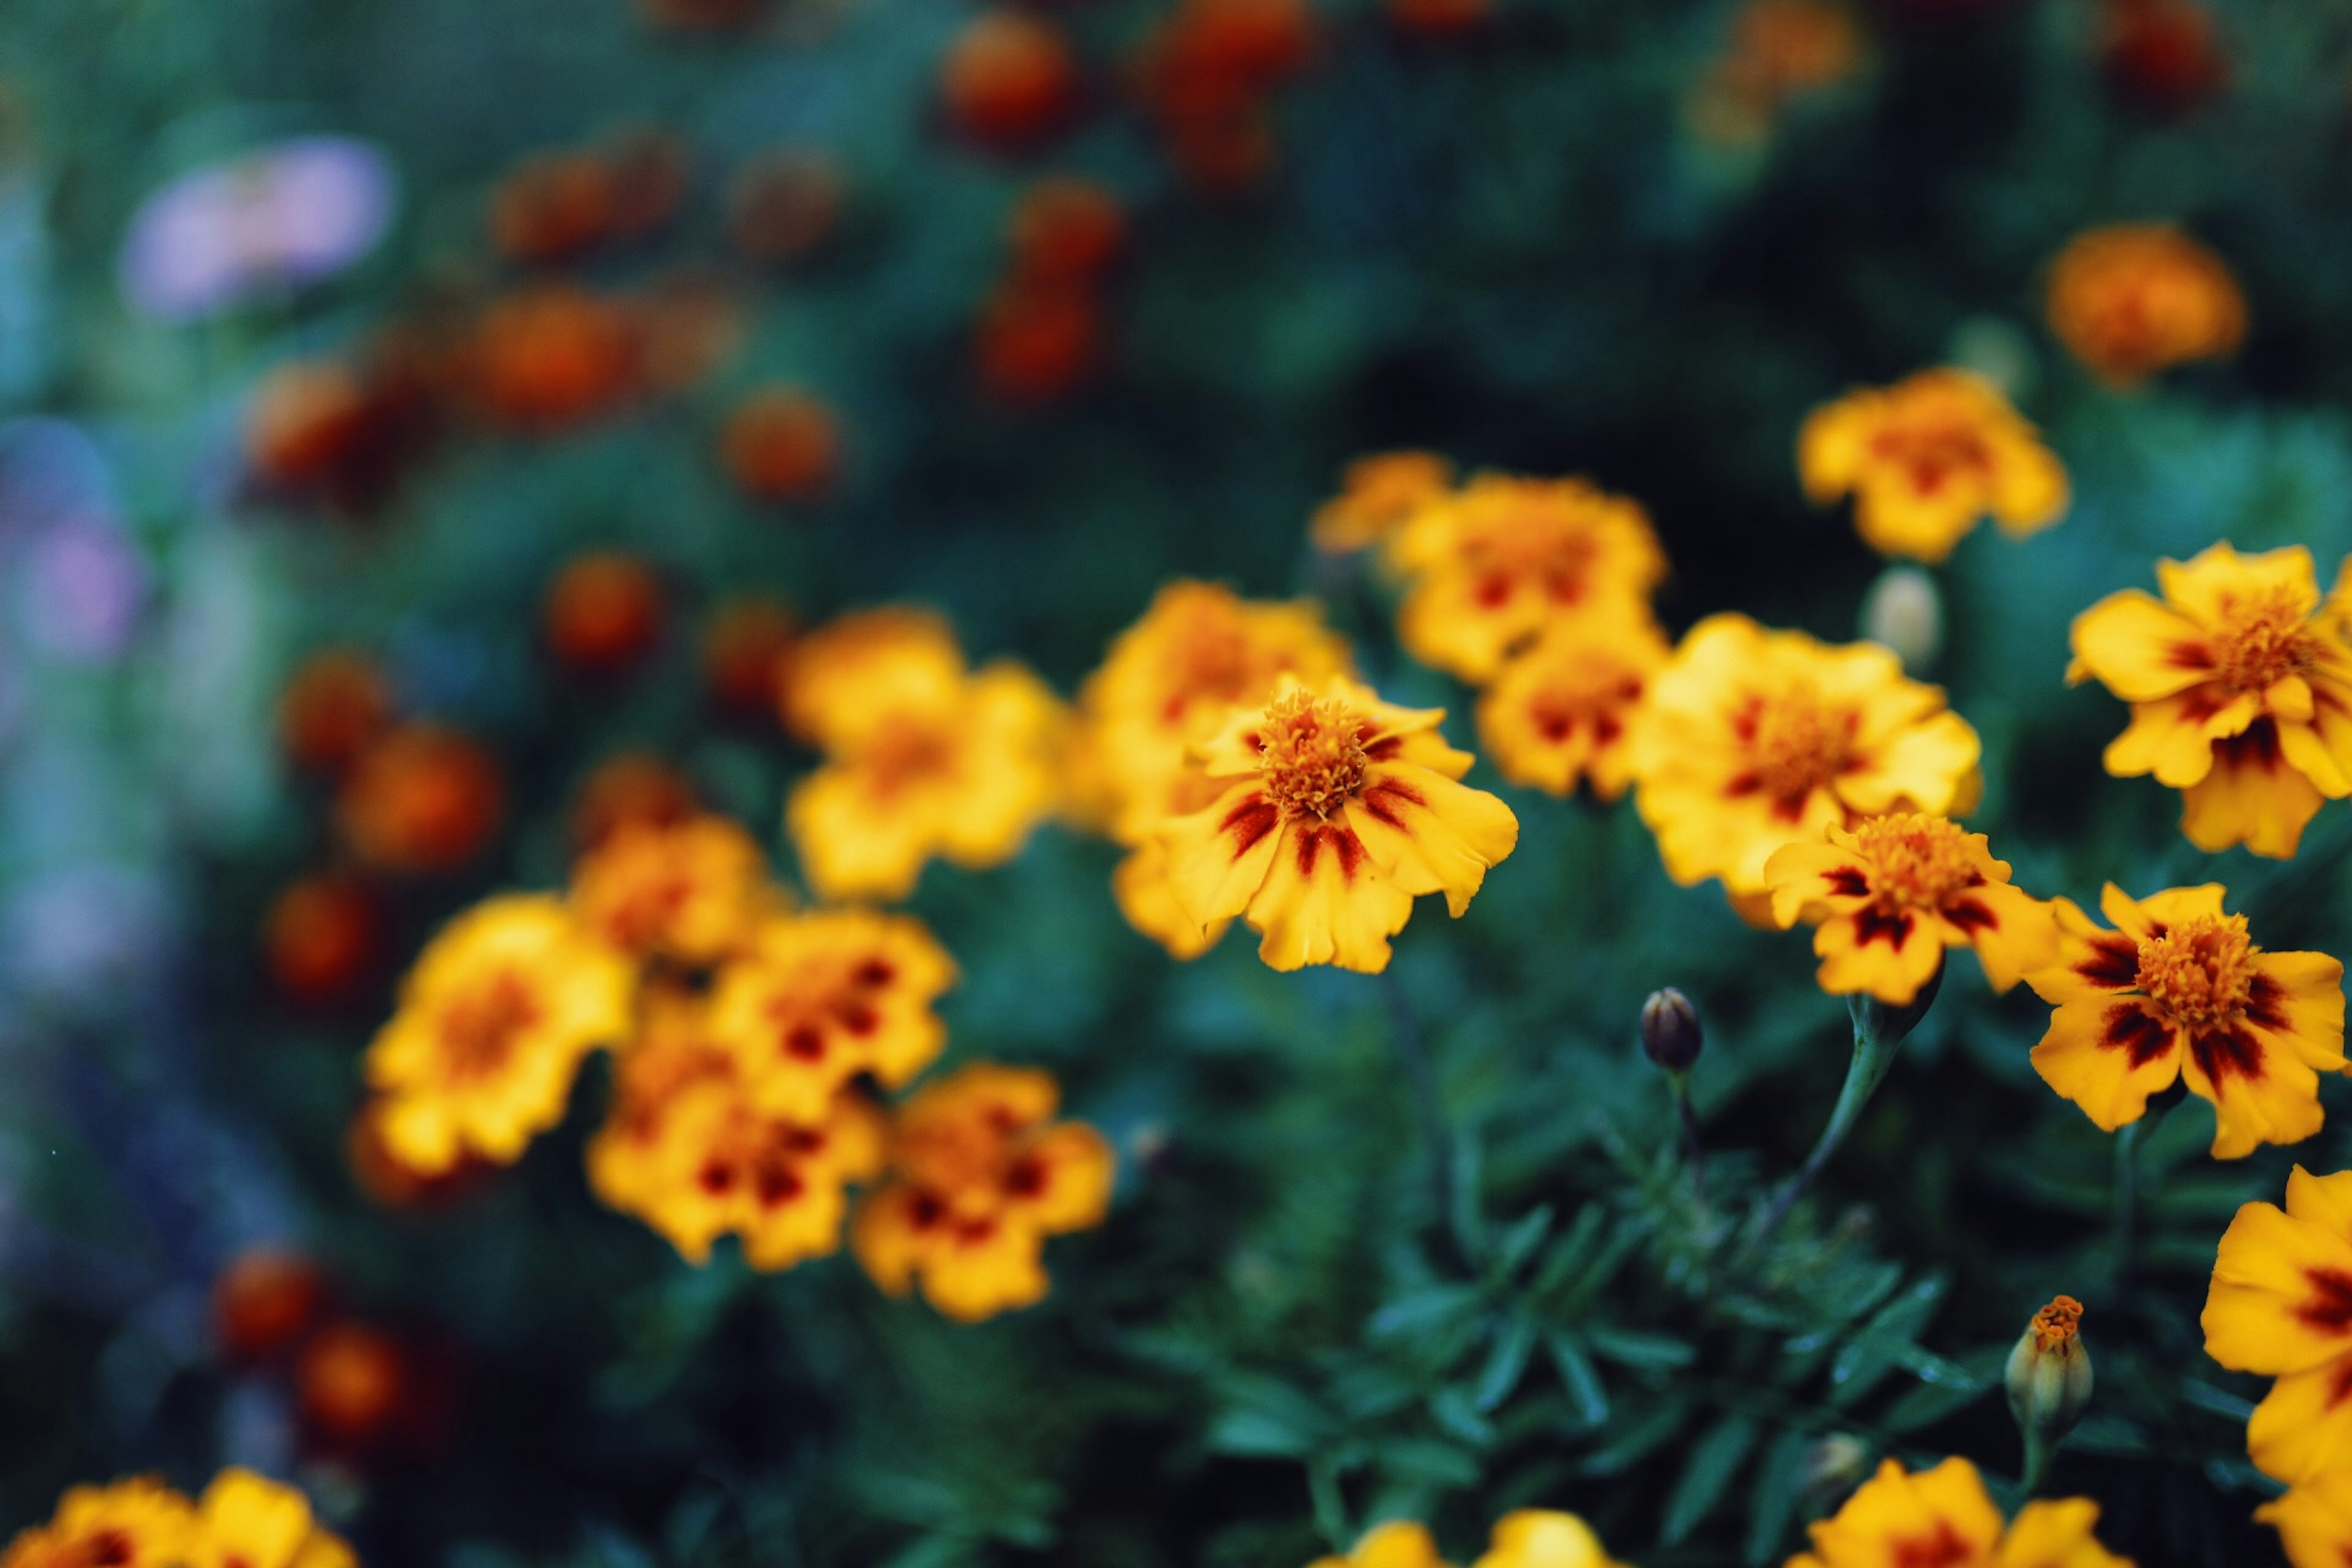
1904, 612
2049, 1375
1670, 1031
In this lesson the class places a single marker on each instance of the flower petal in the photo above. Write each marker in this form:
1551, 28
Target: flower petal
2108, 1054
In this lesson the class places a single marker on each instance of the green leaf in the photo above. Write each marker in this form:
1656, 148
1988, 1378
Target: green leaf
1579, 1376
1426, 1459
1507, 1365
1569, 1252
1425, 1309
1772, 1497
2220, 1401
1637, 1440
1630, 1347
1518, 1243
1713, 1464
1885, 1343
1452, 1411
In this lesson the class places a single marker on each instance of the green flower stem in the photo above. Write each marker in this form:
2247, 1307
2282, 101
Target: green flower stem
2124, 1234
1694, 1159
1420, 1083
1878, 1033
2038, 1449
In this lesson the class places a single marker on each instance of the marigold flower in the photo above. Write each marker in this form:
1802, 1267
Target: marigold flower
2178, 990
245, 1520
1399, 1543
1926, 458
625, 788
351, 1383
1140, 885
552, 206
1036, 342
1066, 232
1750, 739
555, 357
2131, 299
690, 892
980, 1175
1496, 561
1526, 1538
2239, 682
423, 798
1893, 893
1944, 1516
2166, 55
744, 646
1010, 78
782, 444
492, 1023
1558, 713
335, 434
337, 702
2314, 1520
1378, 496
604, 611
265, 1301
2281, 1306
814, 999
923, 759
1337, 810
319, 938
856, 666
136, 1523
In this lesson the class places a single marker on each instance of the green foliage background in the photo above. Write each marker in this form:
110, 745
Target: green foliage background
1511, 250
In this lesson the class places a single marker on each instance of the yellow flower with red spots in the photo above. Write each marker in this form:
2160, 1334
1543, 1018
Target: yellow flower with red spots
1526, 1538
687, 892
1944, 1517
136, 1523
718, 1165
670, 1052
2314, 1520
1928, 458
980, 1175
492, 1023
1558, 714
2239, 682
1378, 496
247, 1521
2134, 298
923, 757
1891, 894
1495, 563
1750, 739
816, 999
2281, 1306
2178, 990
1334, 811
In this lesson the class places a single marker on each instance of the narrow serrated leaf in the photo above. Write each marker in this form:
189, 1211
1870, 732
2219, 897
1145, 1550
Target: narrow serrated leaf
1715, 1460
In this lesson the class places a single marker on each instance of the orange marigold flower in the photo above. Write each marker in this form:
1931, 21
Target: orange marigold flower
1378, 496
816, 999
423, 798
1893, 893
136, 1523
1495, 563
782, 444
1036, 342
337, 703
1438, 18
1066, 232
2314, 1520
629, 787
689, 891
2177, 990
319, 937
1335, 811
981, 1174
2239, 682
1926, 458
1009, 79
265, 1301
2134, 298
555, 357
744, 646
1558, 712
1526, 1538
2167, 55
2281, 1306
1750, 739
604, 611
351, 1384
923, 758
1944, 1516
492, 1023
552, 206
670, 1052
247, 1521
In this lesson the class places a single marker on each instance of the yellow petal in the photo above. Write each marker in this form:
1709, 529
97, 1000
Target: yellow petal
2304, 1425
2139, 647
2108, 1054
1323, 901
1218, 857
1430, 834
2281, 1298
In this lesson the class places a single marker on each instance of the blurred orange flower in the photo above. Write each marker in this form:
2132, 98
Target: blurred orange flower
554, 357
1378, 496
335, 706
2132, 300
782, 444
1558, 712
604, 612
1067, 231
423, 798
319, 937
744, 646
1009, 79
687, 892
265, 1301
1036, 342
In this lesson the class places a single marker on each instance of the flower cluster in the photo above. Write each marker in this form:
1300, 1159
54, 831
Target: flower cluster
1526, 1538
242, 1520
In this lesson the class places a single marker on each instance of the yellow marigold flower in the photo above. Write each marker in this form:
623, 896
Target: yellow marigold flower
2239, 682
2178, 990
2314, 1520
1542, 1538
1750, 739
1335, 811
1493, 563
1926, 458
671, 1051
817, 998
1891, 894
722, 1166
923, 758
492, 1026
1944, 1517
2134, 298
245, 1520
1558, 712
136, 1523
688, 890
1148, 898
1378, 496
982, 1175
1197, 653
1399, 1543
2281, 1306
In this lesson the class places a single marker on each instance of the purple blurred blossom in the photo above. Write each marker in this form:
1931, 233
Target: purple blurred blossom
80, 585
290, 213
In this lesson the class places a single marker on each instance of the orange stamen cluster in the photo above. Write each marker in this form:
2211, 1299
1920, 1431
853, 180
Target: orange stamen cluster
1797, 744
1313, 755
2264, 639
2200, 971
2057, 1328
1921, 862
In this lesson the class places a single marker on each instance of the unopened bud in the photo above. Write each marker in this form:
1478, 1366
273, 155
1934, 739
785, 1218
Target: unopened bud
1670, 1031
1904, 611
2049, 1377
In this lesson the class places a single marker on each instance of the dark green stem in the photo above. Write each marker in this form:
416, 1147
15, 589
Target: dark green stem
1429, 1111
1694, 1159
1877, 1040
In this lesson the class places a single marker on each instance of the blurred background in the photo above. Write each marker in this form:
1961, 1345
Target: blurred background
348, 330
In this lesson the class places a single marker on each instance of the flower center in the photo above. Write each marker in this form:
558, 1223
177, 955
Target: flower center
479, 1028
2262, 640
1922, 861
1534, 544
1796, 744
1932, 453
2057, 1326
2200, 971
904, 750
1311, 754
